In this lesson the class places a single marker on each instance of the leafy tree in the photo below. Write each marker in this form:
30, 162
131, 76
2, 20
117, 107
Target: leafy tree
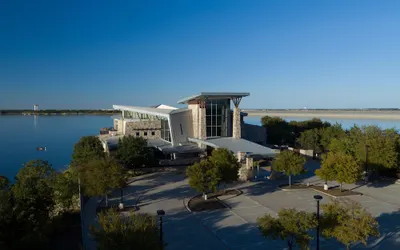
203, 176
226, 163
86, 149
310, 139
291, 226
66, 191
100, 176
346, 168
134, 152
278, 129
348, 223
290, 163
329, 133
382, 150
134, 231
6, 211
33, 195
327, 172
4, 182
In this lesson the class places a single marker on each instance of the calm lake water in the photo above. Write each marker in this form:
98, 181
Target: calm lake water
21, 135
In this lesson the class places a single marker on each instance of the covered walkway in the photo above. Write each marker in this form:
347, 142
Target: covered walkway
251, 149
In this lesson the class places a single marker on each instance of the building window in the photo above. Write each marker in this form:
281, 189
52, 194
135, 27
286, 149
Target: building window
181, 129
153, 133
165, 131
216, 117
137, 134
145, 133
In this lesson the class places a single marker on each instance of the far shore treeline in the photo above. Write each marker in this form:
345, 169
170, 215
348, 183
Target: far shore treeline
59, 112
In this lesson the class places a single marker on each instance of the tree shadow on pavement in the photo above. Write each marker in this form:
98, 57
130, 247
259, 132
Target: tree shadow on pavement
389, 228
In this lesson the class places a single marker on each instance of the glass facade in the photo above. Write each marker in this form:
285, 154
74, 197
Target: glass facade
165, 131
216, 117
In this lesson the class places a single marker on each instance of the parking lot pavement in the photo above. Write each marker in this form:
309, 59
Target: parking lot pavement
234, 231
236, 228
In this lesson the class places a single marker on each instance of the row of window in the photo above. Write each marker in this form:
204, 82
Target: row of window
146, 133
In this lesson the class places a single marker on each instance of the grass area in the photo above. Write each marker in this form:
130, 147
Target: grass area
197, 203
335, 191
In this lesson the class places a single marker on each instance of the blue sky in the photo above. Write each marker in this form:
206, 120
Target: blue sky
287, 54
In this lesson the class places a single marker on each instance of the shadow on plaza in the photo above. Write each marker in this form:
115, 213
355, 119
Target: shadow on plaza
247, 236
389, 228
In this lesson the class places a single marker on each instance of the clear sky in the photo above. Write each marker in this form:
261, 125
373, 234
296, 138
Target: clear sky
287, 54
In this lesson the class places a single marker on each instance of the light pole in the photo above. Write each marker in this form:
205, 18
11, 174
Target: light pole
317, 198
366, 163
161, 213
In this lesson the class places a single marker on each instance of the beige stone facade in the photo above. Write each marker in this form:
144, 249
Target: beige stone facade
202, 123
145, 129
195, 116
237, 131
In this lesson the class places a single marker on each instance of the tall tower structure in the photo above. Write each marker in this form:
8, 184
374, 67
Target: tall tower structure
36, 107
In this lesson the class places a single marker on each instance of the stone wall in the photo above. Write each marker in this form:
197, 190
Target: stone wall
195, 117
237, 131
202, 123
145, 129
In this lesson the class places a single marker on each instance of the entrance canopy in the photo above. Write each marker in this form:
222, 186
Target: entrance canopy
111, 142
167, 148
237, 145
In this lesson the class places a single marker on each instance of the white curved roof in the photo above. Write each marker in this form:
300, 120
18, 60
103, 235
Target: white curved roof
150, 111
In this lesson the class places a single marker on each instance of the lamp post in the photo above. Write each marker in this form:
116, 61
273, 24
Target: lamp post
317, 198
366, 163
161, 213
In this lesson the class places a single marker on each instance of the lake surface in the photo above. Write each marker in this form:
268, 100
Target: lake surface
21, 135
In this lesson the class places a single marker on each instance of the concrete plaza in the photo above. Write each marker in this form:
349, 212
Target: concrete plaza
235, 227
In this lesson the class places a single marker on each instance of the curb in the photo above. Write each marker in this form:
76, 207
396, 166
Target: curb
186, 204
295, 189
331, 195
335, 197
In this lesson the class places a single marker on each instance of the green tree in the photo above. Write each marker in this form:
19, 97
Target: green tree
279, 131
329, 133
348, 223
382, 150
226, 163
310, 139
33, 196
327, 172
291, 226
66, 191
203, 176
4, 182
86, 149
346, 168
290, 163
101, 176
6, 212
134, 231
134, 152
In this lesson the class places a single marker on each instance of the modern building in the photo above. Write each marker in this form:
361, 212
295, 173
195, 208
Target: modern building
208, 122
35, 107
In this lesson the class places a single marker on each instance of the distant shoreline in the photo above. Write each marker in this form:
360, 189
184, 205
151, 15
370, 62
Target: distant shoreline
374, 115
58, 112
